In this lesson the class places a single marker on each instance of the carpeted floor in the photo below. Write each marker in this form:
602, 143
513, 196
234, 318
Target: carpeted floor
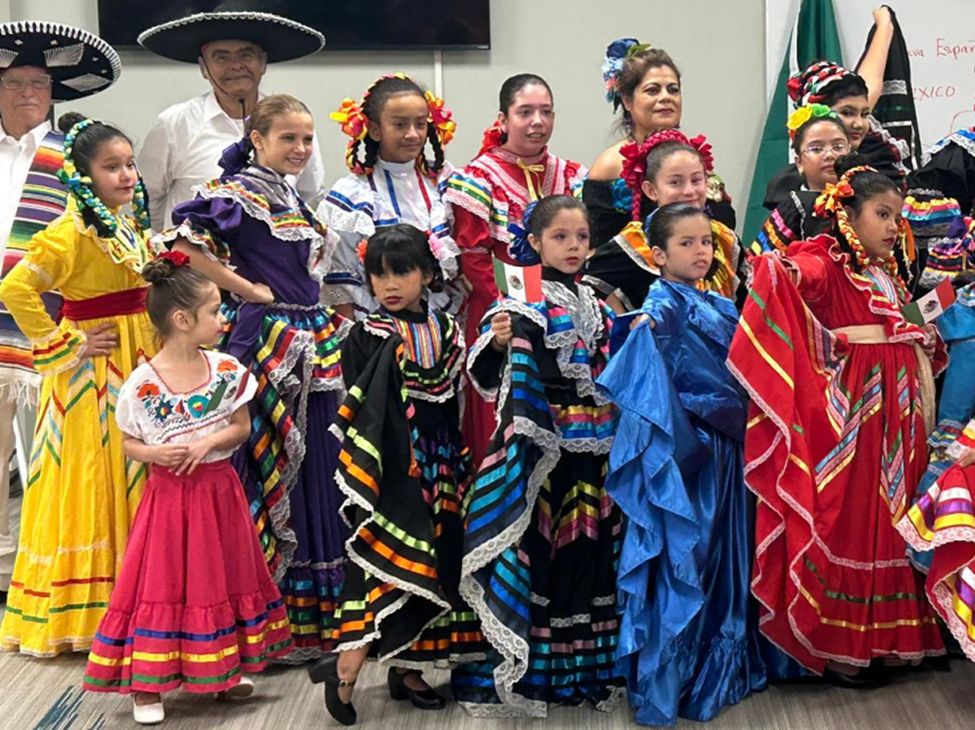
45, 695
38, 694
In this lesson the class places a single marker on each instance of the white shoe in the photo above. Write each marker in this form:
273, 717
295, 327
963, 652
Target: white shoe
148, 714
243, 689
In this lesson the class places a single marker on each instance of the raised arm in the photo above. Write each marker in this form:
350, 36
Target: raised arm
871, 68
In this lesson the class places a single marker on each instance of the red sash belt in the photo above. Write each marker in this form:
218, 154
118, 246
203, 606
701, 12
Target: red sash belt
116, 304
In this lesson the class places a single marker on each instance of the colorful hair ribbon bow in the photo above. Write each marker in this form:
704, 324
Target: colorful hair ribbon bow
350, 117
441, 118
177, 258
493, 137
519, 247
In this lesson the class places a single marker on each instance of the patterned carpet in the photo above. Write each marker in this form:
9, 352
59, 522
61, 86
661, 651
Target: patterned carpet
40, 694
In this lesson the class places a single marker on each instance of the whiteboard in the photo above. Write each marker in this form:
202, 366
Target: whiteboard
940, 36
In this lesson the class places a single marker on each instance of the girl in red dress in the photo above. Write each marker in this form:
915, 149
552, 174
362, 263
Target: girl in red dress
513, 169
194, 606
842, 402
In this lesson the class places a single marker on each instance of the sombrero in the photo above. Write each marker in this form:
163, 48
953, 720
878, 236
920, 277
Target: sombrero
80, 63
280, 38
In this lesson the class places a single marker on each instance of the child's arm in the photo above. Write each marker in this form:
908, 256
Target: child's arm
222, 276
167, 455
871, 69
501, 327
227, 438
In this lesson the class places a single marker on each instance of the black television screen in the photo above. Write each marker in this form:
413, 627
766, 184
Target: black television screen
368, 24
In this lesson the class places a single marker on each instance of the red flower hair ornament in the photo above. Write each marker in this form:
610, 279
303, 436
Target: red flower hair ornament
635, 159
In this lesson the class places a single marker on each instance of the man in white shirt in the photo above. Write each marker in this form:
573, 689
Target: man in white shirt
183, 148
40, 62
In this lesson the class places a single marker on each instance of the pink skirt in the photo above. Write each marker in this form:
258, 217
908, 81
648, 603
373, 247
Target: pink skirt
194, 605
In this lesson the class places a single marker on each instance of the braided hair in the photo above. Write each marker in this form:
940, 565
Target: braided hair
83, 138
375, 101
866, 185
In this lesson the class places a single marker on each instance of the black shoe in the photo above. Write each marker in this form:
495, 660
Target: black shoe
425, 699
326, 670
866, 678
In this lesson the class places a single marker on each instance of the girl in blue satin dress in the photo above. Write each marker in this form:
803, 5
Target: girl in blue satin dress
689, 641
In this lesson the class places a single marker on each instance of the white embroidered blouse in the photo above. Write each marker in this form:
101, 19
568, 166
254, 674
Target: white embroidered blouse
149, 410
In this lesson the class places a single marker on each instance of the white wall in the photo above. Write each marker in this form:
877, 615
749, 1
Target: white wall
718, 45
940, 44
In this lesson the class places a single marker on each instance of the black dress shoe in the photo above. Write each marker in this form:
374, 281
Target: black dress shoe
326, 670
424, 699
866, 678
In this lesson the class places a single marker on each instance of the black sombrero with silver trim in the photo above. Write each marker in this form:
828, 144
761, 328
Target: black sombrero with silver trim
80, 63
281, 39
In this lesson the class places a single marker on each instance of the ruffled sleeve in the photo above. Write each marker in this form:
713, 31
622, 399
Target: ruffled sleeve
941, 190
472, 200
666, 315
247, 388
48, 264
126, 405
885, 152
348, 210
781, 228
209, 223
785, 181
806, 263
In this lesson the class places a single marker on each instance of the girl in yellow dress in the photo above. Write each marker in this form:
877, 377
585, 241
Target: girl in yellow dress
81, 493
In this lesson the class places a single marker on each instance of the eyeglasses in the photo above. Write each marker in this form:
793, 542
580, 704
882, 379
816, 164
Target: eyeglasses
840, 148
39, 82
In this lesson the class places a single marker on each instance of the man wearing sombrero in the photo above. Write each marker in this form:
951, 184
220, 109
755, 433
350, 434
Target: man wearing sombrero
232, 49
40, 63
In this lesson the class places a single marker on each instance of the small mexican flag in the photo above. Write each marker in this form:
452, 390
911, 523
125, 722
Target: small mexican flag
523, 283
932, 305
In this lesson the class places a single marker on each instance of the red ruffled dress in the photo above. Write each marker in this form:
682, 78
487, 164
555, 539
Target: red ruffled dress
194, 605
487, 195
834, 450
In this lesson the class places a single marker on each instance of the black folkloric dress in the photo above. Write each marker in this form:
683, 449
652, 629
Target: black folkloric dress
543, 536
406, 473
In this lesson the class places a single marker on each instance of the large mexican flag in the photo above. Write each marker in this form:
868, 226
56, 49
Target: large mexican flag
813, 38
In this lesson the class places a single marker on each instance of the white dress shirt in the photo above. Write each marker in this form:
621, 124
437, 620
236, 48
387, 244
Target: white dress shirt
16, 156
183, 148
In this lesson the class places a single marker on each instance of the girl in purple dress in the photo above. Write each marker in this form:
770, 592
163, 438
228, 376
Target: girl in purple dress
254, 237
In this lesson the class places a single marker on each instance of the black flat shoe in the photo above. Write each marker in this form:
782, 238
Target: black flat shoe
326, 670
864, 679
425, 699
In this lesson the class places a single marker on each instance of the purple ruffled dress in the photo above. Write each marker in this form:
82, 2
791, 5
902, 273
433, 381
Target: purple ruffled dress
255, 222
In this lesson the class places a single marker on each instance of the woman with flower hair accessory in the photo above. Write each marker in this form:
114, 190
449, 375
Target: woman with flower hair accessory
391, 182
646, 83
251, 233
83, 492
818, 140
842, 398
513, 168
667, 168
